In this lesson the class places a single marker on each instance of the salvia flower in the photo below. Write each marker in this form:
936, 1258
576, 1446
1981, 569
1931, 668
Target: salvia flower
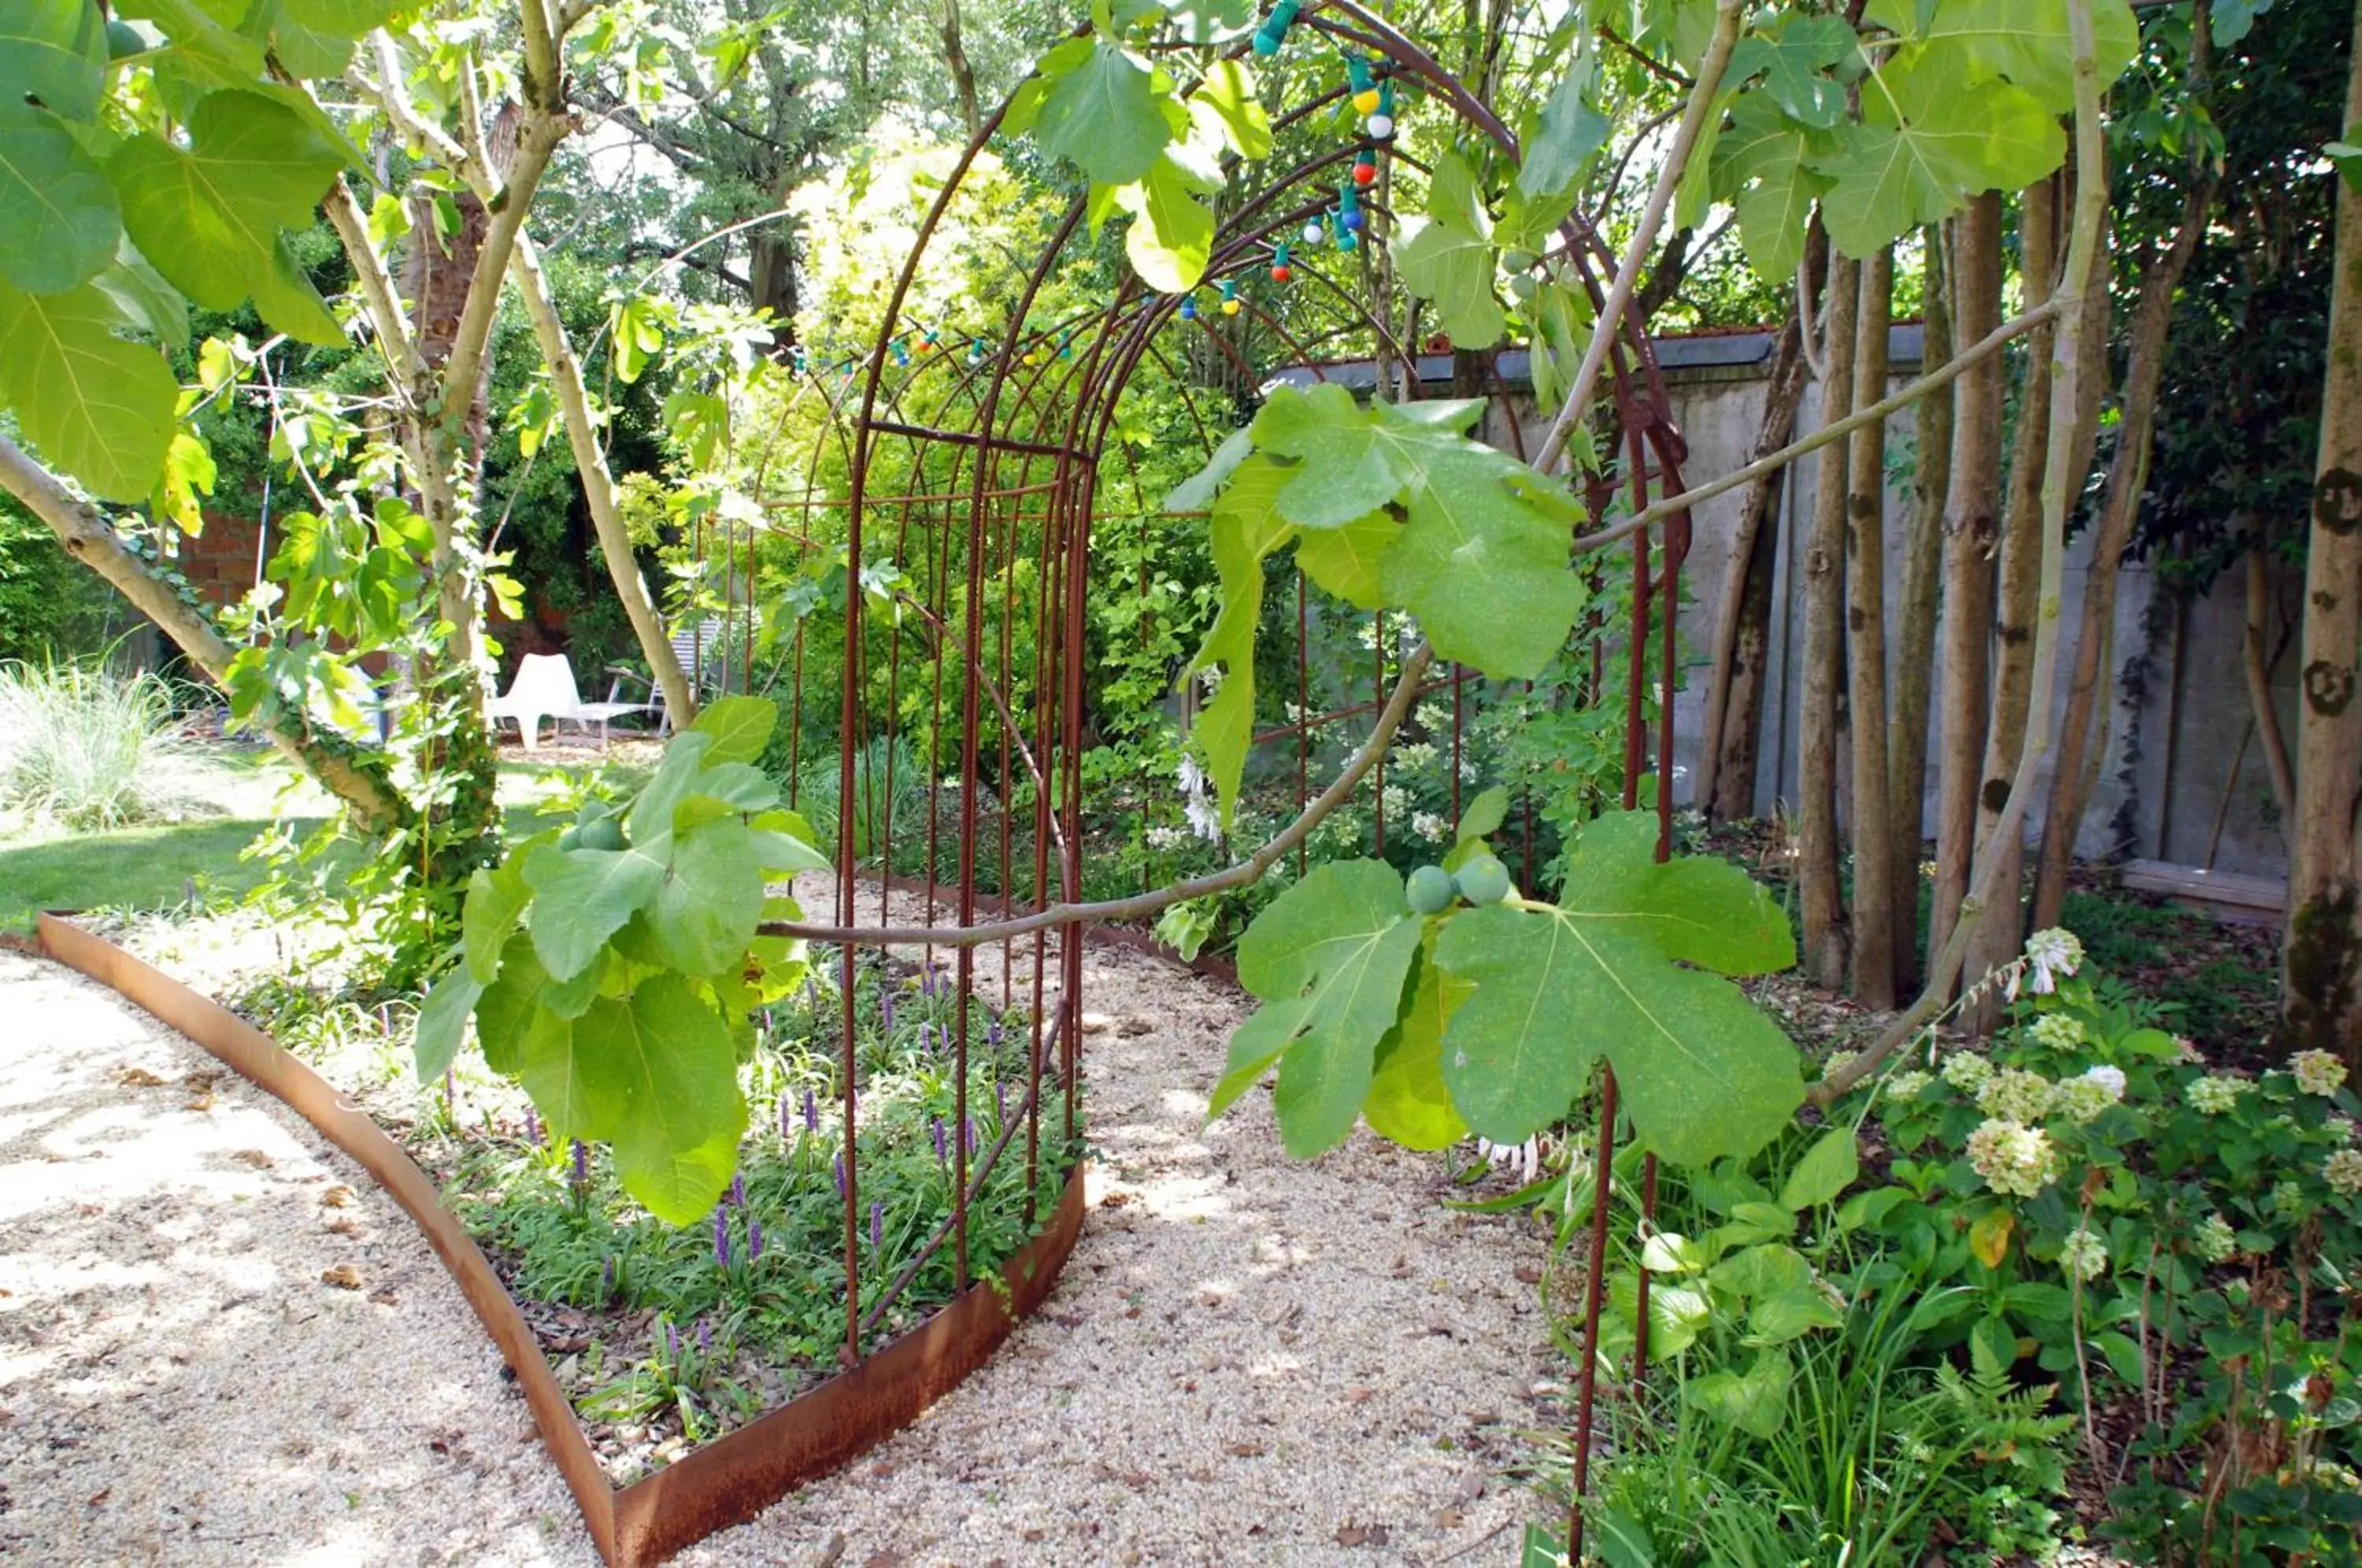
532, 1128
753, 1239
876, 1224
722, 1235
2083, 1256
2343, 1171
2215, 1093
840, 1174
969, 1132
2317, 1072
886, 1011
992, 1034
672, 1341
738, 1189
927, 1038
2014, 1159
1000, 1100
704, 1337
812, 1112
2214, 1240
939, 1142
581, 1164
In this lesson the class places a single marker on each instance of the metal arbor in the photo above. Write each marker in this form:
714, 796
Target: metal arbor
964, 651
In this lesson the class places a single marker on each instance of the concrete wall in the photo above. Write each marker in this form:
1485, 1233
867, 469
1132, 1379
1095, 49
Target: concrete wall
2183, 778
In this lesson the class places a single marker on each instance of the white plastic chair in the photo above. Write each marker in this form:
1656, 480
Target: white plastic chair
699, 648
544, 688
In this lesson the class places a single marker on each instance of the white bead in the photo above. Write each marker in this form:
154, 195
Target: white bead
1381, 127
1313, 232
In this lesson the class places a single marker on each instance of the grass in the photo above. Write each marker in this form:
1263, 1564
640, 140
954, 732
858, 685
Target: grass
133, 869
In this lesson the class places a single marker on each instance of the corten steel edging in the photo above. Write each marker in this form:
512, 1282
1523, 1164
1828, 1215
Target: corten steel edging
723, 1483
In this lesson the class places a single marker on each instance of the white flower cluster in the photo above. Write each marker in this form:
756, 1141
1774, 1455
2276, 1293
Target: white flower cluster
1968, 1072
1431, 827
1434, 717
2214, 1240
2014, 1159
1520, 1160
2014, 1094
1396, 800
1165, 838
2050, 956
1908, 1085
2085, 1254
2317, 1072
2057, 1031
2343, 1172
1416, 756
2215, 1093
2082, 1098
1195, 804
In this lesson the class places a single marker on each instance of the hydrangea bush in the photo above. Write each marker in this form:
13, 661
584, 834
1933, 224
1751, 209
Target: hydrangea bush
2170, 1241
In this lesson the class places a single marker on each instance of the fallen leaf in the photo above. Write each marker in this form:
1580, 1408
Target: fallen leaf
1448, 1518
344, 1276
201, 1100
137, 1077
254, 1157
382, 1297
336, 1196
1528, 1274
1247, 1450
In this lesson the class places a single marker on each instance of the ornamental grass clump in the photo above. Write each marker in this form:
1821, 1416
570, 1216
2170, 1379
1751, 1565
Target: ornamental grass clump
85, 747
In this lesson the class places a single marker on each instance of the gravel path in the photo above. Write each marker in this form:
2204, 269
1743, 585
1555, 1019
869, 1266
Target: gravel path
1247, 1360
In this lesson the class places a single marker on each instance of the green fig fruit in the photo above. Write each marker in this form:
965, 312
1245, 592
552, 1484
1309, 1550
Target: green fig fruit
1430, 889
1484, 880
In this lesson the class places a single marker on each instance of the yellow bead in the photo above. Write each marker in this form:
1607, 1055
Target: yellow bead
1366, 100
1230, 307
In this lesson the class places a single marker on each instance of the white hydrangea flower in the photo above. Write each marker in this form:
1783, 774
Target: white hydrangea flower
2083, 1256
2057, 1031
1165, 838
2014, 1159
1968, 1072
1434, 717
1396, 800
2214, 1240
2215, 1093
1908, 1085
1839, 1061
2014, 1094
2317, 1072
1430, 826
2343, 1171
2110, 1079
2081, 1100
2188, 1055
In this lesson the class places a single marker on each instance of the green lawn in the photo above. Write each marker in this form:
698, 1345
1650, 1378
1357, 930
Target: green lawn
139, 868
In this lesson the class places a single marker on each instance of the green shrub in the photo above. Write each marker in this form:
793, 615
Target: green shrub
84, 746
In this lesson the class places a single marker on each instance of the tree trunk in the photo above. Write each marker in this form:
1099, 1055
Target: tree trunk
1971, 531
1914, 648
1728, 739
2000, 926
2128, 476
1877, 902
947, 27
2257, 661
771, 282
1816, 867
1749, 662
2323, 979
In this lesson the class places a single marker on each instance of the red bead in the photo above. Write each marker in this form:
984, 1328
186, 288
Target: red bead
1282, 274
1365, 173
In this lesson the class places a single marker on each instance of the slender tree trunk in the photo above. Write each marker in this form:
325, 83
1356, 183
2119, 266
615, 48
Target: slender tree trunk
1877, 903
2000, 926
1972, 530
2255, 662
947, 28
1727, 737
1817, 869
2322, 980
1914, 646
2119, 508
1750, 665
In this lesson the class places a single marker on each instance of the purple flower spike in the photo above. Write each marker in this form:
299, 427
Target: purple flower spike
672, 1341
886, 1011
992, 1034
704, 1337
1000, 1100
927, 1038
753, 1239
721, 1235
970, 1130
876, 1224
607, 1278
532, 1128
840, 1176
787, 1118
812, 1112
738, 1189
939, 1142
581, 1164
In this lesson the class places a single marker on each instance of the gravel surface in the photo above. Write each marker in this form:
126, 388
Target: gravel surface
1247, 1360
